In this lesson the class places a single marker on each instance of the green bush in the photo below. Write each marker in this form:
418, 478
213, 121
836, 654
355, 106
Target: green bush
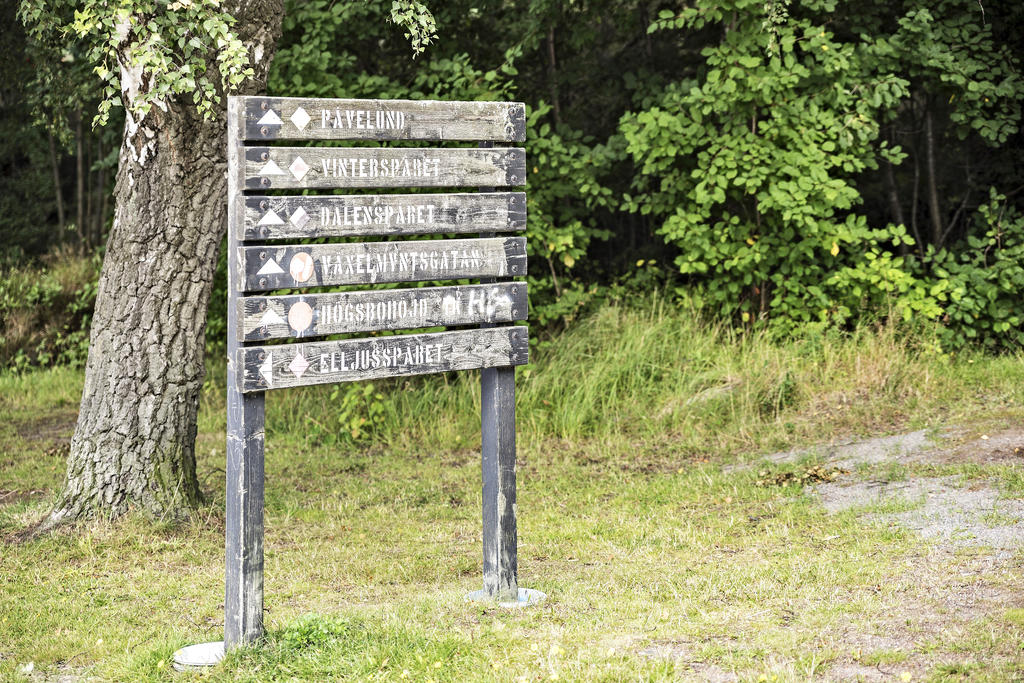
979, 284
751, 168
45, 310
764, 166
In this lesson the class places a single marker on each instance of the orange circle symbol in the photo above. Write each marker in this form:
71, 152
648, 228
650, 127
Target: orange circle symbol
301, 267
300, 316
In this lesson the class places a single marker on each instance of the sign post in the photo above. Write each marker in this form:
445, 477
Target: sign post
263, 207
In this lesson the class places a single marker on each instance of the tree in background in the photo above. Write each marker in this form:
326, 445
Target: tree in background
26, 198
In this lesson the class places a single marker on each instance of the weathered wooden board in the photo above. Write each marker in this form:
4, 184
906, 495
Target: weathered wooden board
275, 168
306, 217
315, 265
293, 365
297, 118
313, 315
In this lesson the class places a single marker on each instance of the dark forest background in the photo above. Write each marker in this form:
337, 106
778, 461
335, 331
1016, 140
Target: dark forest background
788, 165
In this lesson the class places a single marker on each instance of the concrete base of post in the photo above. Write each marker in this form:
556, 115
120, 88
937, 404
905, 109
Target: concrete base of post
526, 597
199, 656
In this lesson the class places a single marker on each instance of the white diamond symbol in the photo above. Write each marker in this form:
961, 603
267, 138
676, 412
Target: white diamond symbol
271, 169
271, 219
300, 118
270, 119
298, 168
267, 369
298, 364
270, 268
299, 218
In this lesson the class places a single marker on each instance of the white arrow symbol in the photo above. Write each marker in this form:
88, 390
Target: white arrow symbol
270, 268
271, 219
267, 369
271, 169
271, 318
270, 118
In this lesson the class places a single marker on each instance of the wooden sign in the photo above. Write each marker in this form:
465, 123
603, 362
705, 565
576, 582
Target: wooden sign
312, 315
299, 118
309, 216
366, 263
274, 168
265, 203
294, 365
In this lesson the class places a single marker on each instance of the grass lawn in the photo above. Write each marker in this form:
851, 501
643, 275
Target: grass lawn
667, 548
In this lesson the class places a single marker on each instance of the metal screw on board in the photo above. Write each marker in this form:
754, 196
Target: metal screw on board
263, 130
264, 204
265, 182
263, 256
515, 290
262, 355
264, 105
264, 155
263, 282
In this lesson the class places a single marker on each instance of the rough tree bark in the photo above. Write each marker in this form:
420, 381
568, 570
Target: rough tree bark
134, 444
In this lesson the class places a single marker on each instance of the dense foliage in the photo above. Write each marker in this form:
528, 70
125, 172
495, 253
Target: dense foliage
763, 169
787, 163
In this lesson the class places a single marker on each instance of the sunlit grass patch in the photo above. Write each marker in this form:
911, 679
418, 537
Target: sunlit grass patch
667, 549
345, 647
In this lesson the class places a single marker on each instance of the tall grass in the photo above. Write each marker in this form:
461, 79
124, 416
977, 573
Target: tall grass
637, 548
652, 372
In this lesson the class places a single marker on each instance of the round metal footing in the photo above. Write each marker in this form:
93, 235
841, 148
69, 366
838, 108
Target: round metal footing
526, 597
198, 656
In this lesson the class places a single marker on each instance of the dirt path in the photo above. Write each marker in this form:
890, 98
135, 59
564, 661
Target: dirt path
948, 488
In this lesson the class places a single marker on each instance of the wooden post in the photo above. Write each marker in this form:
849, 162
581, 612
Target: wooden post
498, 465
498, 421
243, 602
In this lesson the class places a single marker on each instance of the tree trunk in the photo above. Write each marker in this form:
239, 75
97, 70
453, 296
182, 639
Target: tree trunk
57, 236
933, 186
101, 190
87, 221
553, 77
134, 444
104, 197
79, 182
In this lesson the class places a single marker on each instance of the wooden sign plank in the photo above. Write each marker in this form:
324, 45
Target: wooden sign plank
313, 315
299, 118
276, 168
317, 265
294, 365
307, 217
